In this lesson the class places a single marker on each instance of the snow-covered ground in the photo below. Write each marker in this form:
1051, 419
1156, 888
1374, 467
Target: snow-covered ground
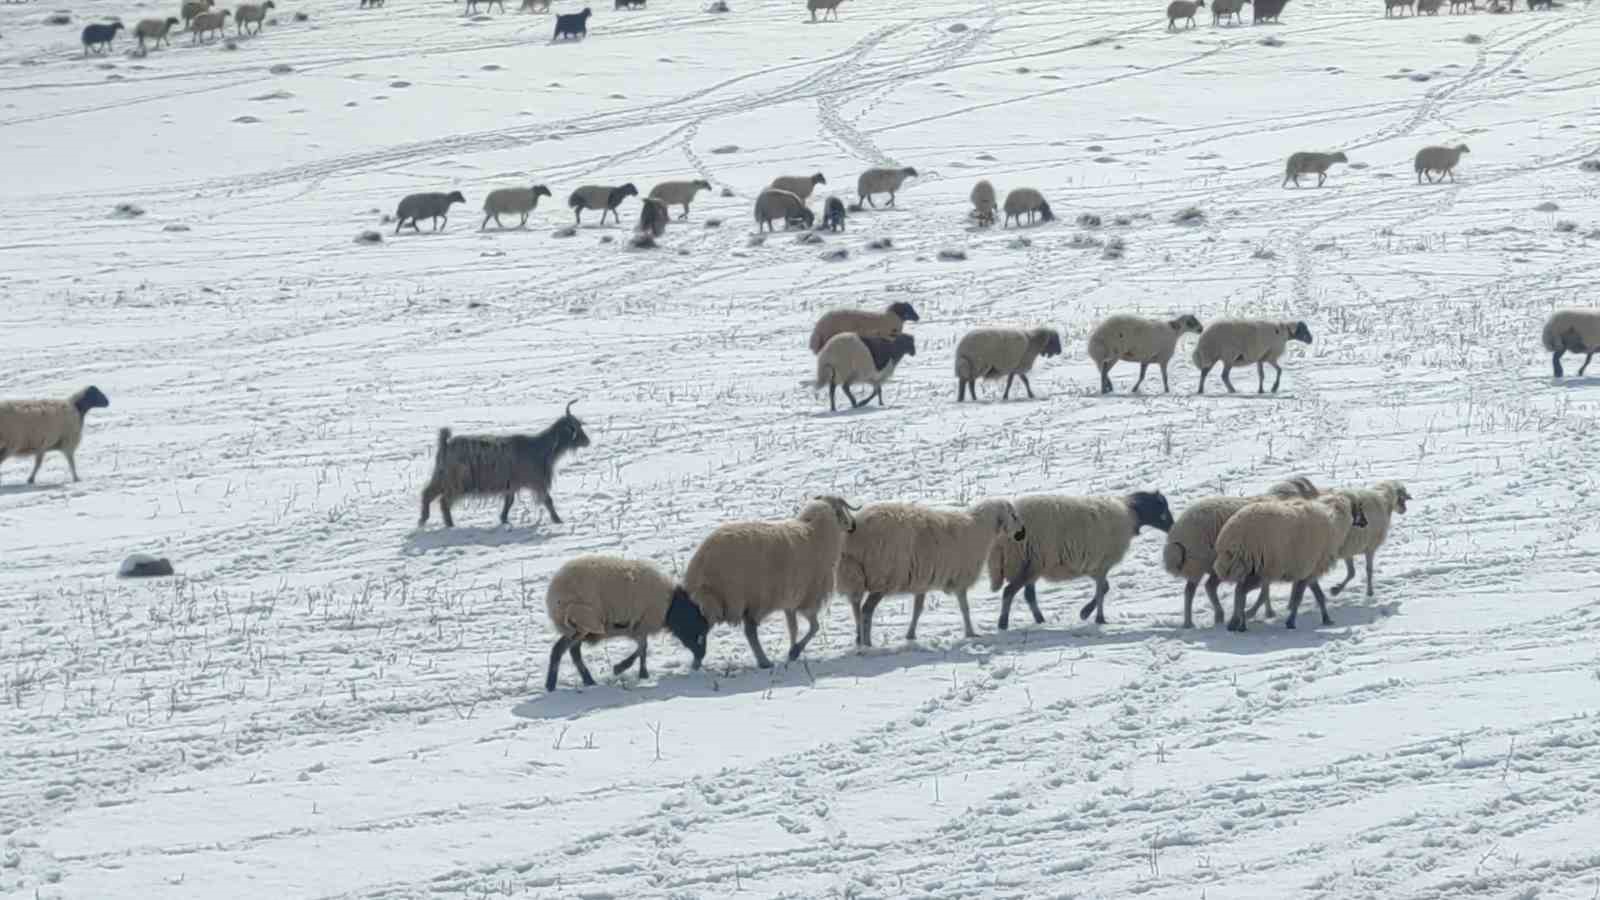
330, 702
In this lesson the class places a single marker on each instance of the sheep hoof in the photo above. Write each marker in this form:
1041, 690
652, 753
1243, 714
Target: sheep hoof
764, 664
1289, 624
1336, 589
1327, 619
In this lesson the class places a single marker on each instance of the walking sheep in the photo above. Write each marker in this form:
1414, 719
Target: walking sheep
1439, 159
1183, 9
1226, 9
1026, 200
500, 465
1570, 331
903, 548
505, 201
591, 598
98, 37
605, 199
435, 206
573, 25
798, 185
1380, 503
983, 203
1389, 6
885, 324
746, 571
849, 358
992, 352
773, 204
246, 13
1068, 537
37, 427
882, 181
1284, 540
1234, 342
653, 218
192, 8
1307, 163
1143, 341
827, 7
207, 22
833, 214
1268, 10
156, 30
679, 193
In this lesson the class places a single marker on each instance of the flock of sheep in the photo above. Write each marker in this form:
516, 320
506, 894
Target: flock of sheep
1269, 10
198, 17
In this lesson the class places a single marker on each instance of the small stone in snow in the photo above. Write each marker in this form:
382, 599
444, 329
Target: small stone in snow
142, 565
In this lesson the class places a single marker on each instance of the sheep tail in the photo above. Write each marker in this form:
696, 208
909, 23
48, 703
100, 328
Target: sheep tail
821, 382
1174, 556
438, 453
972, 367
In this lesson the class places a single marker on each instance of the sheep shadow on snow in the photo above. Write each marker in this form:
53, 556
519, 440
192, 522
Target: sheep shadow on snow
25, 488
428, 539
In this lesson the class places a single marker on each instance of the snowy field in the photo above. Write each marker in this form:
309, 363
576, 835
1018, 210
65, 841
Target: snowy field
331, 702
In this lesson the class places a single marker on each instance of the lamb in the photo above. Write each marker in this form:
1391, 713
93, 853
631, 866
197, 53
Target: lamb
208, 22
1309, 163
1226, 9
1268, 10
435, 206
192, 8
679, 193
833, 214
1389, 6
1143, 341
849, 358
1571, 331
1183, 9
1379, 502
1068, 537
774, 203
903, 548
246, 13
1192, 543
1026, 200
745, 571
486, 465
1284, 540
605, 199
594, 597
882, 181
798, 185
983, 203
1439, 159
505, 201
888, 323
155, 30
827, 6
573, 25
39, 426
993, 352
98, 37
1243, 341
653, 217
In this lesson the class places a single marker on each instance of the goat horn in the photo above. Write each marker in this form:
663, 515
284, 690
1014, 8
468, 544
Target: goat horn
569, 407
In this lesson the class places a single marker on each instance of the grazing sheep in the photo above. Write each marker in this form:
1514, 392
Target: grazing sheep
505, 201
1284, 540
1192, 543
774, 203
1380, 503
1389, 6
1068, 537
886, 324
1026, 200
1183, 9
849, 358
745, 571
1143, 341
435, 206
903, 548
993, 352
1268, 10
653, 217
39, 426
798, 185
1308, 163
605, 199
154, 30
882, 181
1235, 342
1439, 159
679, 193
488, 465
833, 214
573, 25
827, 6
1570, 331
192, 8
1226, 9
591, 598
208, 22
983, 202
98, 37
246, 13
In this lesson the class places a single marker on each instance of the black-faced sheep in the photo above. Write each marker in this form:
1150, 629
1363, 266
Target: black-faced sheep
1027, 200
98, 37
435, 206
246, 14
36, 427
500, 465
983, 203
1183, 9
207, 22
1572, 331
505, 201
849, 358
798, 185
833, 214
1284, 540
1439, 159
991, 353
679, 193
1380, 503
1226, 10
605, 199
1308, 163
827, 7
884, 324
882, 181
192, 8
773, 204
573, 25
1144, 341
154, 30
1235, 342
591, 598
1268, 10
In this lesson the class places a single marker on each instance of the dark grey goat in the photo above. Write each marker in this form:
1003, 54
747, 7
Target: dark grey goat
833, 214
98, 37
572, 25
481, 465
426, 206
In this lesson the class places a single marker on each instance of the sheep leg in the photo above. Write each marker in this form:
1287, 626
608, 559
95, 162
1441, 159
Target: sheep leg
1006, 596
966, 615
685, 212
1261, 377
833, 397
755, 643
1188, 603
1211, 593
1555, 362
1277, 376
891, 199
1007, 394
486, 222
811, 630
444, 510
562, 643
72, 465
1032, 596
1585, 367
793, 623
576, 652
1227, 369
1204, 374
853, 403
522, 224
1295, 594
1097, 604
1321, 177
1105, 376
505, 508
868, 609
868, 198
38, 460
1322, 602
855, 614
1265, 599
916, 613
627, 661
1245, 585
1142, 367
1349, 575
1025, 385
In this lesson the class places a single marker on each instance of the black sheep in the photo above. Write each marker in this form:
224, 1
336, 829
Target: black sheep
99, 36
426, 206
833, 214
1268, 10
572, 25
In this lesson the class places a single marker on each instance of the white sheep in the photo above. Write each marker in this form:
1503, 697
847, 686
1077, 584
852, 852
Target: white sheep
602, 197
994, 352
774, 203
594, 597
903, 548
1069, 537
1226, 9
246, 13
1235, 342
1192, 543
37, 427
984, 203
1183, 9
505, 201
885, 324
207, 22
882, 181
679, 193
1439, 159
1284, 540
798, 185
192, 8
1572, 331
1380, 503
849, 358
746, 571
1027, 200
156, 30
1309, 163
1143, 341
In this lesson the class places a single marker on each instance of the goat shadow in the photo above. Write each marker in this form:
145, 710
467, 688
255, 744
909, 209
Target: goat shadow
1570, 382
25, 488
864, 410
428, 539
